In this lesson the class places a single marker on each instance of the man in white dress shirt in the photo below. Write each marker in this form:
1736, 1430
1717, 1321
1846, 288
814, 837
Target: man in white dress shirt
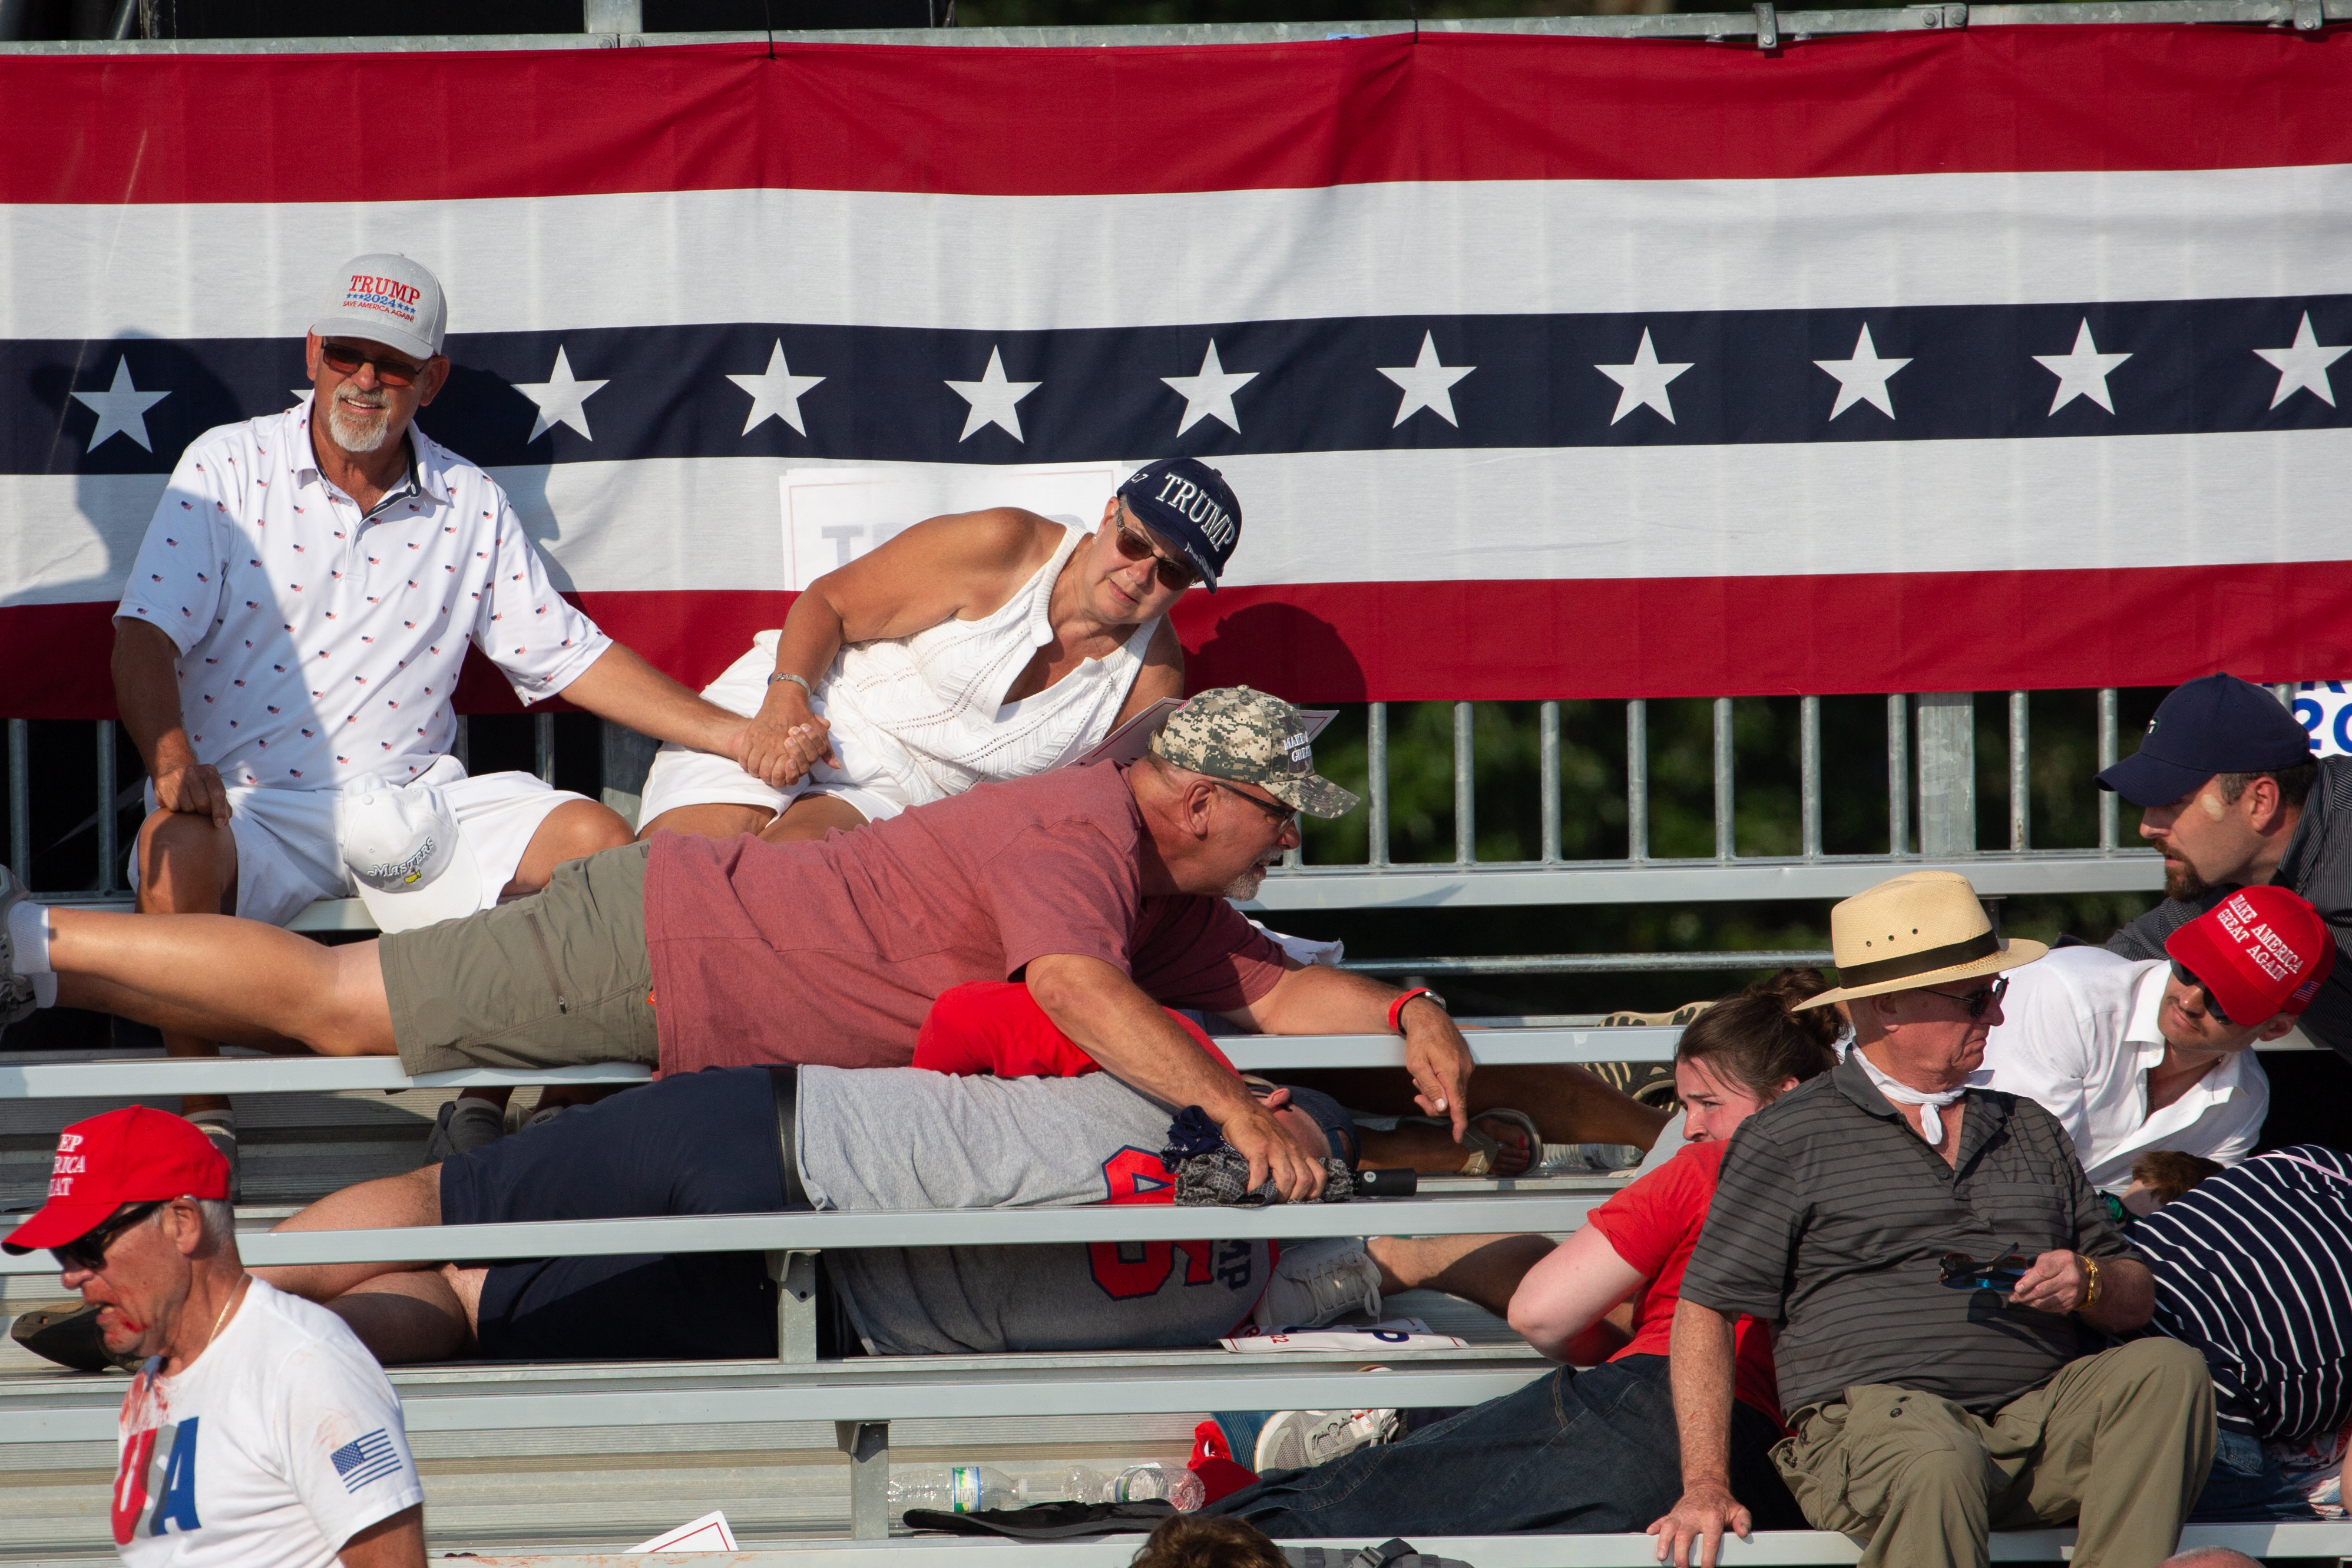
2132, 1056
296, 619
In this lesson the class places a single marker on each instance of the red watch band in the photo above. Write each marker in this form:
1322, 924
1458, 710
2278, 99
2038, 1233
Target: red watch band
1396, 1008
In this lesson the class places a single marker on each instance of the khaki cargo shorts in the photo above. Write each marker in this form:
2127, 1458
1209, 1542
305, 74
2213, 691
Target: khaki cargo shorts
552, 980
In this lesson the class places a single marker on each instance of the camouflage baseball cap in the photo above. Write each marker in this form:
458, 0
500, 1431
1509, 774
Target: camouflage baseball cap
1234, 732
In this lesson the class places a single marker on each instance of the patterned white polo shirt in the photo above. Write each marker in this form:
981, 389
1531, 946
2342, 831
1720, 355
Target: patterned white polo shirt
317, 644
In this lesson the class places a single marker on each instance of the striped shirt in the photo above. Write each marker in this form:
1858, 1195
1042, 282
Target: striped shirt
2255, 1268
1832, 1215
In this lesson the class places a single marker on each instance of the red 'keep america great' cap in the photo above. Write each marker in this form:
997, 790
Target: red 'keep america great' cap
134, 1155
2262, 951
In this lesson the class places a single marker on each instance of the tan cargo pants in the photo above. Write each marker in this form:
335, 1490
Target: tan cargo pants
2117, 1443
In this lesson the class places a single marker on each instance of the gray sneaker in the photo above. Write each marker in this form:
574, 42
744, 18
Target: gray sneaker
1302, 1439
462, 1126
16, 1002
219, 1128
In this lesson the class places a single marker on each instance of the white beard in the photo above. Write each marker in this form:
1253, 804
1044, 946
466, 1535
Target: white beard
356, 432
1243, 888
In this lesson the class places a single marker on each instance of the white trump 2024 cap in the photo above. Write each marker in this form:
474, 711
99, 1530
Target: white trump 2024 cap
403, 848
387, 300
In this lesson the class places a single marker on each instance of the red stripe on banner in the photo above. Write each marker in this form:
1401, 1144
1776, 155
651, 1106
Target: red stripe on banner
1019, 122
1983, 631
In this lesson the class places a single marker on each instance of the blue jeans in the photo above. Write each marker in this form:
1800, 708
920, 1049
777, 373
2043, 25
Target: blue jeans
1574, 1453
2247, 1485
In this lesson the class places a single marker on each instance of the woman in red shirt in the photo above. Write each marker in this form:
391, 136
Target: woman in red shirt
1595, 1451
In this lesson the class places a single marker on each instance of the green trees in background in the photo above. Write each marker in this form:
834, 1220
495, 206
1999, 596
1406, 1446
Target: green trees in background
2062, 750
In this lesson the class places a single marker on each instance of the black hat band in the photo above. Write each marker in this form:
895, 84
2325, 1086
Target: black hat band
1984, 946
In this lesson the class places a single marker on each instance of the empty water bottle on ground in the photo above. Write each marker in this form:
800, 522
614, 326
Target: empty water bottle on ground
1137, 1483
957, 1488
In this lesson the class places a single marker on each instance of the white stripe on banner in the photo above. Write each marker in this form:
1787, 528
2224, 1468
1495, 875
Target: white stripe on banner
1003, 263
1405, 516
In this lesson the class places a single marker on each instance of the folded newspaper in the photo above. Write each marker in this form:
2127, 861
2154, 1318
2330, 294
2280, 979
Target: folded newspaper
1359, 1339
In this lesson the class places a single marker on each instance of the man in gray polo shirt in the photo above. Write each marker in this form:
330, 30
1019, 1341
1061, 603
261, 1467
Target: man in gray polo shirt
1925, 1251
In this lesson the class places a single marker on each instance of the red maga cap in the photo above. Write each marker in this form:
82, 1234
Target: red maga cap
2262, 951
134, 1155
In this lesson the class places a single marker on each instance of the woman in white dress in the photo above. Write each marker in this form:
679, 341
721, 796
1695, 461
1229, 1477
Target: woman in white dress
982, 645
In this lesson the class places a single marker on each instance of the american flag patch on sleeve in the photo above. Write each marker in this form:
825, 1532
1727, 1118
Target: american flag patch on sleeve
366, 1458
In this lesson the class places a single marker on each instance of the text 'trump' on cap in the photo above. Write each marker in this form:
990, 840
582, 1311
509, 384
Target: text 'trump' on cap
1189, 502
388, 299
134, 1155
2215, 724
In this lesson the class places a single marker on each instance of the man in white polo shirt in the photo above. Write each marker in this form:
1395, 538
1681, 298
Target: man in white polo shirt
2132, 1056
296, 622
258, 1432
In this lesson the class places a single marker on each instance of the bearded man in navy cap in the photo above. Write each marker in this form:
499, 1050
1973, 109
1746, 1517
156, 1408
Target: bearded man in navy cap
2231, 796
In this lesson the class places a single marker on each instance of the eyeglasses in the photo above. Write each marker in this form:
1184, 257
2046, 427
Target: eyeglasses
2182, 972
345, 360
87, 1251
1977, 1000
1174, 576
1958, 1271
1279, 813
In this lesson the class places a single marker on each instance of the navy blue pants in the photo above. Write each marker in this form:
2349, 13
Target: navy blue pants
1576, 1453
701, 1142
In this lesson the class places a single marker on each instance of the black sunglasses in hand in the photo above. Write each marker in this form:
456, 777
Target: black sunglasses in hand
1958, 1271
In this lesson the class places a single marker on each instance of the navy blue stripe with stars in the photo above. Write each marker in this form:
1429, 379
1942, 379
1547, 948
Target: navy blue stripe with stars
1752, 376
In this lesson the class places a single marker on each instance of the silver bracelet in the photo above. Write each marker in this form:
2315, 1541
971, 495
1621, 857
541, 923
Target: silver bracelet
799, 680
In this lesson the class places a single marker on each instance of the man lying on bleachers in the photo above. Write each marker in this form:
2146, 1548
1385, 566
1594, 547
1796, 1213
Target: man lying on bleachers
2131, 1057
1931, 1254
2254, 1267
1103, 888
763, 1140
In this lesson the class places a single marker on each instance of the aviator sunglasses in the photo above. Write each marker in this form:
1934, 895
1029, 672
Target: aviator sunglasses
1958, 1271
345, 360
1174, 576
88, 1250
2187, 977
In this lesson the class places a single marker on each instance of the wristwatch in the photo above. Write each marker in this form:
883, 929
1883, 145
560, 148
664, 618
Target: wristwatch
799, 680
1396, 1008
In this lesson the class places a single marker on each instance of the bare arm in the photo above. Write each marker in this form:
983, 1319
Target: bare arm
394, 1542
1112, 1020
147, 694
1317, 999
965, 564
1570, 1290
1700, 1361
2058, 1281
624, 688
1161, 676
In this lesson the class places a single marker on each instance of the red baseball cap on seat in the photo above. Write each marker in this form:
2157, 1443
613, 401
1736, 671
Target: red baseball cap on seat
134, 1155
2262, 951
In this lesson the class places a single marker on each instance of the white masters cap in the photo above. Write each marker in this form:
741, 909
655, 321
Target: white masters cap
405, 850
387, 300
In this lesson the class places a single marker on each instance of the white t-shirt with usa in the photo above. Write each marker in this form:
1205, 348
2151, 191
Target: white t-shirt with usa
318, 643
271, 1449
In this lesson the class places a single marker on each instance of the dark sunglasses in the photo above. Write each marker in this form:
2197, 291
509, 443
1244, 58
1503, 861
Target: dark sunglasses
88, 1250
1174, 576
2187, 976
1279, 813
345, 360
1960, 1272
1980, 999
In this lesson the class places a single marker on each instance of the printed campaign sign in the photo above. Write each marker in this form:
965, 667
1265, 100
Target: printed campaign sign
709, 1533
833, 516
2325, 707
1390, 1334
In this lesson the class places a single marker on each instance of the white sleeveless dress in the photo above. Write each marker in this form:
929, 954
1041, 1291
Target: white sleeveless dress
919, 718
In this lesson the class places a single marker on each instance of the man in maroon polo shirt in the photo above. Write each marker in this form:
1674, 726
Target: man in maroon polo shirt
1104, 888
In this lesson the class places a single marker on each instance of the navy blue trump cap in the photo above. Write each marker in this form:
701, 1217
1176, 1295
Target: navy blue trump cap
1188, 502
2216, 724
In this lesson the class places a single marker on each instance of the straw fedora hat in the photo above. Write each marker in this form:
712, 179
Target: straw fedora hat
1921, 930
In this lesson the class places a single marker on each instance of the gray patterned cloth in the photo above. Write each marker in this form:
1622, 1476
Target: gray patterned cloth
1221, 1176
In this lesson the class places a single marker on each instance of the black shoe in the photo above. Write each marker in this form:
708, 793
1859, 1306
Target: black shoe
67, 1334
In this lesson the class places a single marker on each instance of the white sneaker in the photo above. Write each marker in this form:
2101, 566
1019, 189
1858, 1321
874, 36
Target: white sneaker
1319, 1280
1301, 1439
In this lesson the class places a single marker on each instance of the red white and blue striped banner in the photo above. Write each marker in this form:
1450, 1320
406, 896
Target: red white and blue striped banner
1543, 367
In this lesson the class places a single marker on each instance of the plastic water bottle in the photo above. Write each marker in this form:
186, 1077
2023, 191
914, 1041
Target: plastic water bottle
1137, 1483
956, 1489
